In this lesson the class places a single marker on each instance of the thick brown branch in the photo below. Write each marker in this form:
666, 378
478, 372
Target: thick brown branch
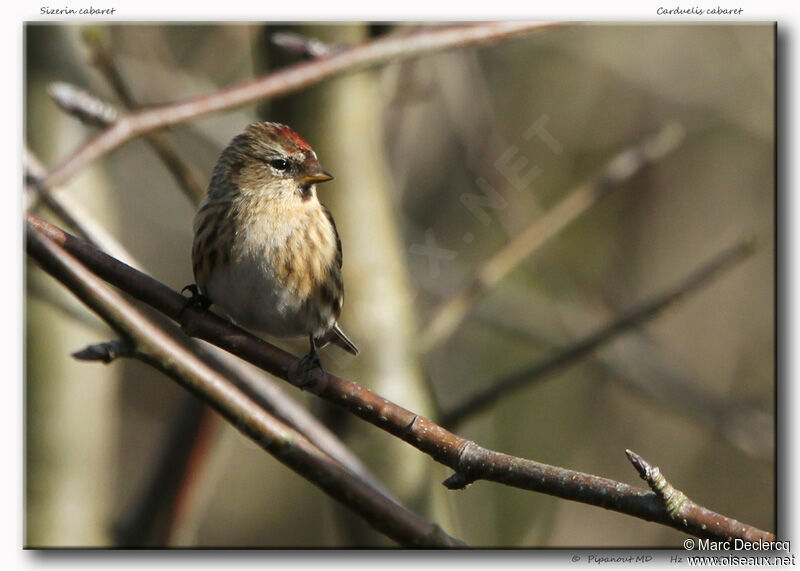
369, 55
485, 398
471, 461
152, 345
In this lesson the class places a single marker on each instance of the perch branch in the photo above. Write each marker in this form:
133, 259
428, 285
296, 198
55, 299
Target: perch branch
287, 80
482, 399
470, 461
151, 345
621, 168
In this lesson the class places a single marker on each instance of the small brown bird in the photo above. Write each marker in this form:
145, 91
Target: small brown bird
265, 249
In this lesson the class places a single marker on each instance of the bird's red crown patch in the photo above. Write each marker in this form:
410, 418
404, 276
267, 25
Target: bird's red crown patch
289, 133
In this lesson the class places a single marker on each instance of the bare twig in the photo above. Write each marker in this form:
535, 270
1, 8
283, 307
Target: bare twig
680, 508
470, 461
90, 109
485, 398
621, 168
105, 352
303, 46
152, 346
369, 55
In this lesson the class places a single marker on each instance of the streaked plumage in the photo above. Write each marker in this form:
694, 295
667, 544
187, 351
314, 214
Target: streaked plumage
265, 249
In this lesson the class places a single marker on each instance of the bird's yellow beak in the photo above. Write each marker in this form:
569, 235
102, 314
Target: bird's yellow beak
318, 176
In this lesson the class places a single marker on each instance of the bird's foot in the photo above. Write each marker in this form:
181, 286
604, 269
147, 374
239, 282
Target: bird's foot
196, 300
308, 375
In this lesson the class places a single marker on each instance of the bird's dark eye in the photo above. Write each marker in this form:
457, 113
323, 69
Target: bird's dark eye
279, 164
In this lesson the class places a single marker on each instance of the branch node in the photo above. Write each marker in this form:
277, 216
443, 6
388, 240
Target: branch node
458, 481
463, 476
438, 536
410, 426
105, 352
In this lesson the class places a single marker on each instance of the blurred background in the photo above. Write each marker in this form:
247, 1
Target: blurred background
439, 163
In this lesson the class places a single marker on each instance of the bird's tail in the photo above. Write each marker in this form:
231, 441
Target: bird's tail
337, 337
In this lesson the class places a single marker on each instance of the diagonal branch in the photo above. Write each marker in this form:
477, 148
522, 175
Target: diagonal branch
483, 399
621, 168
153, 346
368, 55
470, 461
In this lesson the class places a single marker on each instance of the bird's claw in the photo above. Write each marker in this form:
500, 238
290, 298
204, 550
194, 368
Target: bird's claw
307, 374
196, 299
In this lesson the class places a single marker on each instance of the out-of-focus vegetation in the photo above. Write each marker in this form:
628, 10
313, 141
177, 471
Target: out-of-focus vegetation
414, 147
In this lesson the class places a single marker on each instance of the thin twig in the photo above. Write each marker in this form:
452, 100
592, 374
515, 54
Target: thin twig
470, 461
621, 168
287, 80
482, 399
106, 352
153, 346
679, 507
303, 46
90, 109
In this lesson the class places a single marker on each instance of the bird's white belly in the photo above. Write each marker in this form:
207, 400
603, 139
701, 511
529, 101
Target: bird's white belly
254, 298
